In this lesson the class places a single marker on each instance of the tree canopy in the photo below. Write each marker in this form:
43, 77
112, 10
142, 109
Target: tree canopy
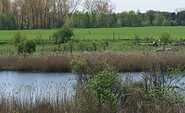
46, 14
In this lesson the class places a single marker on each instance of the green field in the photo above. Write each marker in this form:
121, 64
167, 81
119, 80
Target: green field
102, 33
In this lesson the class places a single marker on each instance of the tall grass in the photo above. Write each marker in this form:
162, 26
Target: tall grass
59, 62
48, 98
58, 99
133, 61
46, 62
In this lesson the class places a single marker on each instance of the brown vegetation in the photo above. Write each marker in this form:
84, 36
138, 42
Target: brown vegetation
145, 96
58, 62
134, 101
46, 62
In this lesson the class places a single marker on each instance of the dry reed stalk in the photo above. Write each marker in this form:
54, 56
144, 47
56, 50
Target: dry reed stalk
58, 62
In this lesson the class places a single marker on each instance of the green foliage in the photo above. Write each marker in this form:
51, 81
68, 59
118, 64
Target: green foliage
71, 46
81, 19
105, 85
87, 23
81, 46
28, 46
7, 21
93, 20
15, 111
101, 20
18, 38
136, 39
63, 35
86, 68
24, 46
164, 84
147, 39
94, 46
39, 40
1, 21
165, 38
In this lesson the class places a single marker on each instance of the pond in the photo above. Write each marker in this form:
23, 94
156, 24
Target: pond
32, 87
36, 86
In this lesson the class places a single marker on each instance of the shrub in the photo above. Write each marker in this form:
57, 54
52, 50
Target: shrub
18, 38
81, 46
71, 46
165, 39
163, 83
136, 39
63, 35
86, 68
27, 47
107, 86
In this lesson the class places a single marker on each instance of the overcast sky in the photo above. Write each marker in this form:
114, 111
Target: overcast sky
144, 5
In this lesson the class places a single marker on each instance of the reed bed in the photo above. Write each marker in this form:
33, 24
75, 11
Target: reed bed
45, 62
48, 97
59, 62
56, 98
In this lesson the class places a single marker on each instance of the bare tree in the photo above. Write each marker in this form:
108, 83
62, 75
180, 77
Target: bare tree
5, 6
40, 13
65, 8
19, 11
99, 5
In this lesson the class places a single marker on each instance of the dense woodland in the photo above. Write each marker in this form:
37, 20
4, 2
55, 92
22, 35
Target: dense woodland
46, 14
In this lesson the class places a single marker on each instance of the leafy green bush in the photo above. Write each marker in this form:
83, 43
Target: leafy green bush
18, 38
86, 68
106, 86
24, 46
165, 39
63, 35
27, 47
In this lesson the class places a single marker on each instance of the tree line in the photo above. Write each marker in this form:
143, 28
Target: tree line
46, 14
126, 19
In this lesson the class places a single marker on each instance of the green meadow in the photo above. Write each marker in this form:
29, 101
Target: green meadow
177, 32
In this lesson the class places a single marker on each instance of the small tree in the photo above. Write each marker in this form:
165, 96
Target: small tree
63, 35
165, 39
30, 46
18, 38
22, 44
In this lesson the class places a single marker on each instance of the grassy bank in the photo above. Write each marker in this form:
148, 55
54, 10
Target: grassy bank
100, 39
59, 62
